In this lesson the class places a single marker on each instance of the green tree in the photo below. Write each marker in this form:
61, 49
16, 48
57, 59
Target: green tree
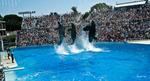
1, 18
100, 6
13, 22
85, 15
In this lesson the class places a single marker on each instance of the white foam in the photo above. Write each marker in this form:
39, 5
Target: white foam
87, 45
91, 47
83, 41
61, 49
73, 49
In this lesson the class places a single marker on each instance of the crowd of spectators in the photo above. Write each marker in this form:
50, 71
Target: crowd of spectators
41, 30
123, 24
36, 36
111, 25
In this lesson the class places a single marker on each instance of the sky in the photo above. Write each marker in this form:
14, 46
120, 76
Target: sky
43, 7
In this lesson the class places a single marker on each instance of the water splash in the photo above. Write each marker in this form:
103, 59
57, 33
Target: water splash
87, 45
74, 49
61, 49
91, 47
67, 49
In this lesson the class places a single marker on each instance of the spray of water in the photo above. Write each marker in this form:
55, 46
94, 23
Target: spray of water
87, 45
73, 49
67, 49
61, 49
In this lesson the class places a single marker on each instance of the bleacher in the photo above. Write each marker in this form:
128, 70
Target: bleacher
129, 5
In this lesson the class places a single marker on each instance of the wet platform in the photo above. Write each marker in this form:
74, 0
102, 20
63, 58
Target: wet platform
7, 63
140, 42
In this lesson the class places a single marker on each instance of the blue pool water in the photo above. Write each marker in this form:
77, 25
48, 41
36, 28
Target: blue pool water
118, 62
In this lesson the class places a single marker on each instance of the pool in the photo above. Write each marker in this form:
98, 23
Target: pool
118, 62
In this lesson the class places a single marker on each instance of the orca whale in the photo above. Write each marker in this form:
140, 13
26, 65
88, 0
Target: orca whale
73, 32
61, 32
92, 31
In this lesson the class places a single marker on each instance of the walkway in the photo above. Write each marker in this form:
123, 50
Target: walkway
140, 42
5, 64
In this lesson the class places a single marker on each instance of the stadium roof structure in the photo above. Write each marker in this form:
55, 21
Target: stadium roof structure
26, 12
133, 3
